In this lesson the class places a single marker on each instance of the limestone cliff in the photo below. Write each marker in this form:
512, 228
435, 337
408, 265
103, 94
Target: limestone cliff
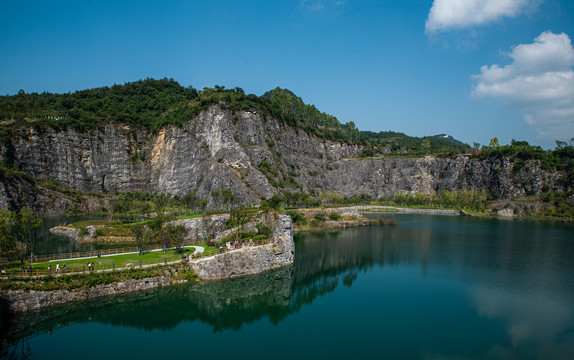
251, 260
235, 149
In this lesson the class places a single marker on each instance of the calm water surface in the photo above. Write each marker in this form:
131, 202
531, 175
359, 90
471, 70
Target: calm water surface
430, 288
48, 243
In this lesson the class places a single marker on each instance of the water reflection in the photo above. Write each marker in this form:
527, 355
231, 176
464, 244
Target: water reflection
517, 273
48, 243
532, 322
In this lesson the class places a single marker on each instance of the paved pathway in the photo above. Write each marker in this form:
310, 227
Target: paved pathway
198, 250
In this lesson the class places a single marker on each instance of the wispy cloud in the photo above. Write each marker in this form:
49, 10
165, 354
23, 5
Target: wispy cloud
314, 5
446, 15
539, 81
321, 6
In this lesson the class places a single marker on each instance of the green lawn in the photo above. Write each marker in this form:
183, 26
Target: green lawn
120, 260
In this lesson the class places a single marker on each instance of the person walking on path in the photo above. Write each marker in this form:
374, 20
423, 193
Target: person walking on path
58, 268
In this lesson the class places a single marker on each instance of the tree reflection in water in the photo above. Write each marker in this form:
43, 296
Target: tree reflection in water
487, 257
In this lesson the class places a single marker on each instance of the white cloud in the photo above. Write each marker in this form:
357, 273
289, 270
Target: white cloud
539, 81
445, 15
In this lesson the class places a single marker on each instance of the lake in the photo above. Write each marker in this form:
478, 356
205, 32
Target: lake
430, 288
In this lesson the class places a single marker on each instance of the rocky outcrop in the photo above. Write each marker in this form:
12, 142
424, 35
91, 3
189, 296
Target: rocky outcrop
251, 260
70, 233
19, 301
224, 149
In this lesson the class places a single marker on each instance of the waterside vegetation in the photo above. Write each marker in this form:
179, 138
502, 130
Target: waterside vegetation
92, 279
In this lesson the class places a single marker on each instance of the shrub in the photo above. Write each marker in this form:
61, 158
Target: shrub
334, 216
320, 217
189, 275
263, 229
83, 232
297, 217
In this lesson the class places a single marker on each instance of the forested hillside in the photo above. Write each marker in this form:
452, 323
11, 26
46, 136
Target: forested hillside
152, 104
326, 125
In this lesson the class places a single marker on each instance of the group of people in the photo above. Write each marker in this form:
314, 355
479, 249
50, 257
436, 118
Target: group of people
59, 270
91, 266
235, 245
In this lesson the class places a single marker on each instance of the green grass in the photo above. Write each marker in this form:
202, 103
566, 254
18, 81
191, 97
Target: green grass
188, 216
83, 224
476, 213
119, 260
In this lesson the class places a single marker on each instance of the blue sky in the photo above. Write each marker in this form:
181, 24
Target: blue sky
474, 69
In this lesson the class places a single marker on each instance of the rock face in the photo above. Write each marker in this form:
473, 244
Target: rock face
20, 301
205, 226
224, 149
251, 260
70, 233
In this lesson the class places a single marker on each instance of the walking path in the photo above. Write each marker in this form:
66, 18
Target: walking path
198, 250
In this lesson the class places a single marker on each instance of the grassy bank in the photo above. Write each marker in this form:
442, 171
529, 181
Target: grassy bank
88, 280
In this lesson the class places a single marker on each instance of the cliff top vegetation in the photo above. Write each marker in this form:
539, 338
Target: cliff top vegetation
152, 104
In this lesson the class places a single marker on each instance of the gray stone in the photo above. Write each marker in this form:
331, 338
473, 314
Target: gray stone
251, 260
68, 232
20, 300
212, 151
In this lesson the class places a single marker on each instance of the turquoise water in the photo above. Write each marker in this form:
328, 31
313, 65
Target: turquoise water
430, 288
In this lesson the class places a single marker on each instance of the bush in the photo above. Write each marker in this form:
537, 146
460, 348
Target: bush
274, 202
83, 232
334, 216
320, 217
75, 281
189, 275
263, 229
297, 217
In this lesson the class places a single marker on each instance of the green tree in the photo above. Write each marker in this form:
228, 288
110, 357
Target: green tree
16, 233
224, 198
494, 143
274, 202
237, 218
191, 201
174, 236
161, 202
138, 230
426, 145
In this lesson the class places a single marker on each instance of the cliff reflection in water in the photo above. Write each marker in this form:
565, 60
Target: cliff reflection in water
490, 259
223, 304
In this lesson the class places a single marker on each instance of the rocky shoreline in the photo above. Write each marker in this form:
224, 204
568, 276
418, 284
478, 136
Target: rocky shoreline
242, 262
352, 216
402, 210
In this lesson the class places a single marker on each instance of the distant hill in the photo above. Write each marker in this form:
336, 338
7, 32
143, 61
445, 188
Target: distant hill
325, 125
